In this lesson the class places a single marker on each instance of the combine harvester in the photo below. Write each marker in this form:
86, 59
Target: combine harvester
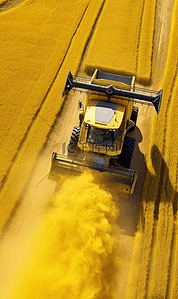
100, 142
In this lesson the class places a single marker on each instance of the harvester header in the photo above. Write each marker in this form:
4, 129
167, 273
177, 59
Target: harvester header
111, 91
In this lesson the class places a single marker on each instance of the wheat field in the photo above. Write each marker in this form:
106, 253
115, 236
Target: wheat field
76, 250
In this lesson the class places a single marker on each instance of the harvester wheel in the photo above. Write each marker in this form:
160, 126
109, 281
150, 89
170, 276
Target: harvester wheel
73, 149
134, 117
125, 157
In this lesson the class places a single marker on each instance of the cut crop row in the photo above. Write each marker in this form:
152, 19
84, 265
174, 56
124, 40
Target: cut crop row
123, 39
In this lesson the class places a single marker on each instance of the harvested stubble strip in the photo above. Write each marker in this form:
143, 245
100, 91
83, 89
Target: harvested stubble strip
163, 253
143, 251
169, 186
163, 151
123, 39
172, 158
34, 40
173, 176
139, 269
38, 133
159, 274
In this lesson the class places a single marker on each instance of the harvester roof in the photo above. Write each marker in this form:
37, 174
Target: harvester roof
104, 114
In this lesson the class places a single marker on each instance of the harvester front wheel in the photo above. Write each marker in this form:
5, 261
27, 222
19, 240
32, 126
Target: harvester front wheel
125, 157
73, 149
134, 117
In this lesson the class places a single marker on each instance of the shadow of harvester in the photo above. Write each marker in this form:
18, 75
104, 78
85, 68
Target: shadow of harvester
128, 206
150, 187
157, 187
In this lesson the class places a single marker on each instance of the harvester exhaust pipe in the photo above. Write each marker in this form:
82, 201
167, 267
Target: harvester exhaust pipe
112, 91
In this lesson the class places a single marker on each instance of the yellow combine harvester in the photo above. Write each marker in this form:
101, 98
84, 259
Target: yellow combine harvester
100, 141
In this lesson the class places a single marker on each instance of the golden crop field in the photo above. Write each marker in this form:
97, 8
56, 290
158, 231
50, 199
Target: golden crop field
30, 40
18, 154
76, 249
123, 42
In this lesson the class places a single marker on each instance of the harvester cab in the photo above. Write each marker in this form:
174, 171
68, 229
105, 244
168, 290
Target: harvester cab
100, 142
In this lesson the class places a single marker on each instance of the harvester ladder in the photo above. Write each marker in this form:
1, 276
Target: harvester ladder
83, 134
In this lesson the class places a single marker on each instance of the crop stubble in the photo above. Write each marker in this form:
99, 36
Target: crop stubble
159, 191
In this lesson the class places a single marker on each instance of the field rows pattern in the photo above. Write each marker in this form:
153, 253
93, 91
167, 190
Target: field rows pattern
37, 33
28, 66
160, 196
36, 134
121, 46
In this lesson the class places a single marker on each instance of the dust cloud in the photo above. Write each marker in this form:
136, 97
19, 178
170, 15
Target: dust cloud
76, 251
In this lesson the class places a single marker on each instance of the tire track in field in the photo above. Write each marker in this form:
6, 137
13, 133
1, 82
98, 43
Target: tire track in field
139, 36
9, 4
40, 107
